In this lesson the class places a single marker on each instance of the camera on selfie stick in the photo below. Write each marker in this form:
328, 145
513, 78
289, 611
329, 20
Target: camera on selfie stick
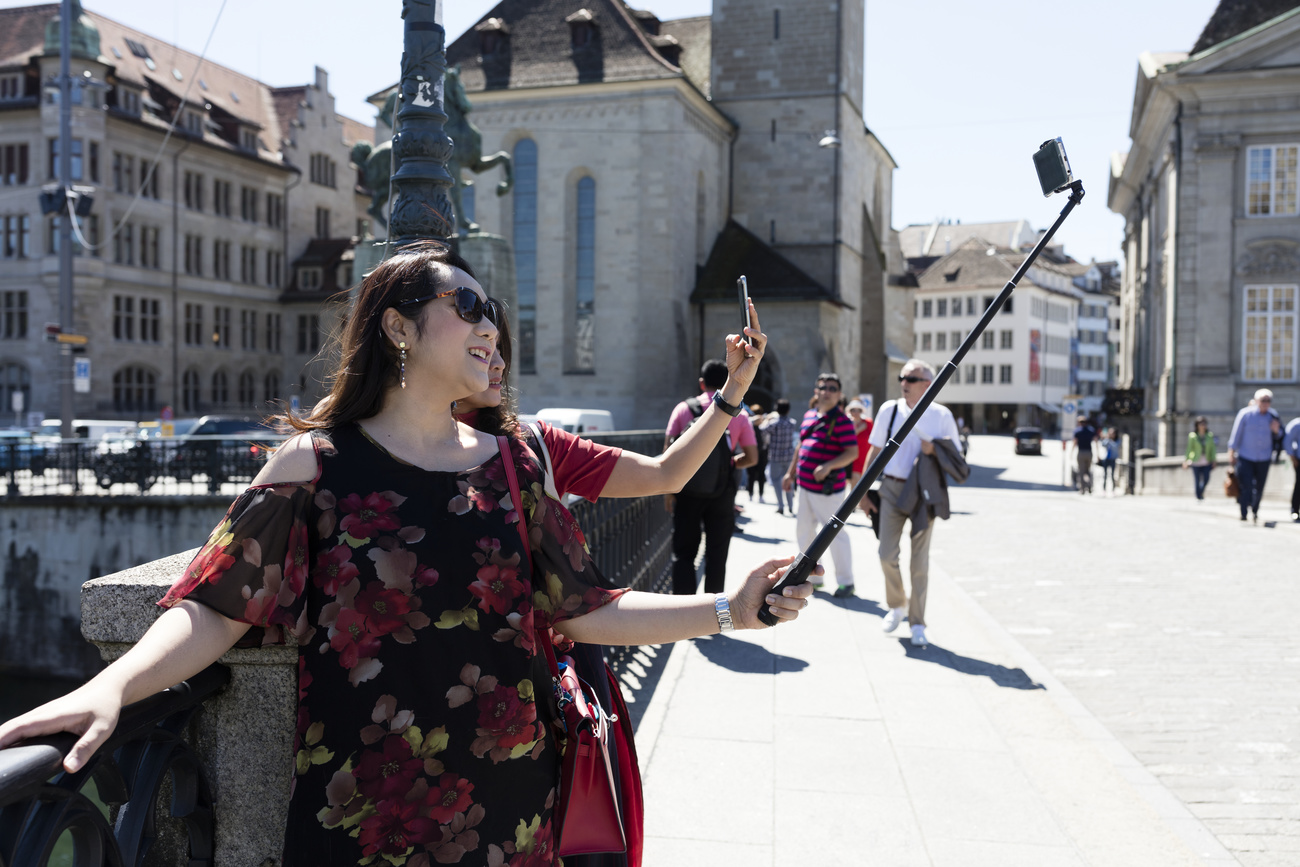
1054, 176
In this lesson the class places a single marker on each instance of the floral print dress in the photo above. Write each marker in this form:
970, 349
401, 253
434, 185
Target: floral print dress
425, 730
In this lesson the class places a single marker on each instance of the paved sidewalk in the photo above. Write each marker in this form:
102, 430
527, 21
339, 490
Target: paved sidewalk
828, 742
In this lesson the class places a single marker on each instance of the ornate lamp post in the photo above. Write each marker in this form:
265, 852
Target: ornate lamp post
421, 208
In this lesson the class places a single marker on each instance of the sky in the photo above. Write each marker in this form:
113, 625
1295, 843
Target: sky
961, 93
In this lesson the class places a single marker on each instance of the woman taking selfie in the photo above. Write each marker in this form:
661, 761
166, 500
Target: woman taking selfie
384, 538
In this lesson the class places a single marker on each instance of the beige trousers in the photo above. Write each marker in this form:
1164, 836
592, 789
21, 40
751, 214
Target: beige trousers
892, 523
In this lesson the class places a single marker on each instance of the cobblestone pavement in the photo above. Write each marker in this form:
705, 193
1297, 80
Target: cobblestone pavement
1172, 621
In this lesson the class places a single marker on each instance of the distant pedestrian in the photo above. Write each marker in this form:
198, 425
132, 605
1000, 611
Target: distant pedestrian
935, 431
1200, 454
1291, 445
1250, 446
1109, 458
782, 437
862, 430
709, 498
757, 474
1084, 434
827, 447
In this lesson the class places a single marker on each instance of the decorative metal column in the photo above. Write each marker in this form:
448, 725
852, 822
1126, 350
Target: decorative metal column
421, 207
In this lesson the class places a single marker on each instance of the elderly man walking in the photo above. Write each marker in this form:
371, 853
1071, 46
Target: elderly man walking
936, 424
1250, 447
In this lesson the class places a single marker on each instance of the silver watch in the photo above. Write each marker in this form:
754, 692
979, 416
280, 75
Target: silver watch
723, 609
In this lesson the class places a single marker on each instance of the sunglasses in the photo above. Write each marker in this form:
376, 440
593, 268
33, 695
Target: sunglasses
912, 379
827, 388
469, 306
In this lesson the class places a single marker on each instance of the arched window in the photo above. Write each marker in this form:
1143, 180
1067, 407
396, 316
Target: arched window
190, 391
525, 229
220, 389
247, 389
15, 378
271, 386
134, 390
584, 331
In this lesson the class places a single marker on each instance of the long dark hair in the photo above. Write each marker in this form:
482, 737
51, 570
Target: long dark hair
368, 363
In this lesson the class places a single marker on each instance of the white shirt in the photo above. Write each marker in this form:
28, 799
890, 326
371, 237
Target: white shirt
937, 423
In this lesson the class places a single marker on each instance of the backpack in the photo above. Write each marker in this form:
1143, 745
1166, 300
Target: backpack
715, 475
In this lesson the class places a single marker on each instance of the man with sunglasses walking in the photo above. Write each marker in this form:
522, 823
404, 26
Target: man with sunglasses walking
936, 424
827, 446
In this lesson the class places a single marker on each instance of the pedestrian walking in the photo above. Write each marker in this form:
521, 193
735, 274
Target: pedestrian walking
827, 447
857, 411
381, 518
708, 499
1109, 446
782, 436
1200, 454
927, 438
757, 474
1291, 446
1084, 434
1250, 447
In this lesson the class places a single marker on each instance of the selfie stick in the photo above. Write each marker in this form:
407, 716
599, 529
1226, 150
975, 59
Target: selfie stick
804, 563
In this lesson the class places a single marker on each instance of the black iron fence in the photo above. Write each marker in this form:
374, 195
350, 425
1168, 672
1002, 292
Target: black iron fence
108, 813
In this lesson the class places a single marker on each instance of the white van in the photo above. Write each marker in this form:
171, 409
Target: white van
578, 420
89, 429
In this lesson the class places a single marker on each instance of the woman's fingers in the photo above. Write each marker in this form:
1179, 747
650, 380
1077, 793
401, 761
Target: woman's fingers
85, 747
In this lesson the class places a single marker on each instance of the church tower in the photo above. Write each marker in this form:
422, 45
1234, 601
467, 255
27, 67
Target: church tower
809, 179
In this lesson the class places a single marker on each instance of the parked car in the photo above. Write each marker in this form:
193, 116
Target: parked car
221, 448
1029, 440
138, 456
578, 420
18, 451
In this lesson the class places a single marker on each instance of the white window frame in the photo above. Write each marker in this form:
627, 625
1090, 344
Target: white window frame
1269, 315
1272, 182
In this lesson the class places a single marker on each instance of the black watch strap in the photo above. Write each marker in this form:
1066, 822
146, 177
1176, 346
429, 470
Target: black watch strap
732, 410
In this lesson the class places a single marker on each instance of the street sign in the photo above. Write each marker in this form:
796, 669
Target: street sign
166, 414
869, 401
74, 339
17, 399
80, 373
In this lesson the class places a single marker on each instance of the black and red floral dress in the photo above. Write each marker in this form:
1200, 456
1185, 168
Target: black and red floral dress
425, 717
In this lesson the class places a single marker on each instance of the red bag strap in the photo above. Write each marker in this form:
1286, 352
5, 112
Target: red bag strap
508, 458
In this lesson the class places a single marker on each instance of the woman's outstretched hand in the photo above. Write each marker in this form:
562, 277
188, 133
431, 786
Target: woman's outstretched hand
89, 712
745, 351
757, 589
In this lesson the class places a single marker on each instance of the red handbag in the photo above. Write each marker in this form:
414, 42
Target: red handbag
588, 809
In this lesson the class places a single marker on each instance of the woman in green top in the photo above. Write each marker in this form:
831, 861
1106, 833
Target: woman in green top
1200, 455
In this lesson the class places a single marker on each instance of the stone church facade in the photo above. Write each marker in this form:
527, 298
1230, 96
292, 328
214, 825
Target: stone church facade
1211, 285
655, 162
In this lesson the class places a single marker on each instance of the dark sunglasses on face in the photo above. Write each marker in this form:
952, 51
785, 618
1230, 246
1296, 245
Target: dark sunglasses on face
827, 388
912, 379
469, 306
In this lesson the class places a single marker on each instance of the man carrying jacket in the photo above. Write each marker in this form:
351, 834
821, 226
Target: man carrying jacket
936, 424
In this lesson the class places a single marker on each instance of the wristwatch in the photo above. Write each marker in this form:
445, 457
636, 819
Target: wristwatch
732, 410
723, 609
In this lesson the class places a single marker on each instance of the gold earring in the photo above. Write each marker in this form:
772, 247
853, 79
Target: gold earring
402, 361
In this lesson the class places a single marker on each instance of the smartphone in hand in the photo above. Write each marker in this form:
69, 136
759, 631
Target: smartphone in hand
742, 289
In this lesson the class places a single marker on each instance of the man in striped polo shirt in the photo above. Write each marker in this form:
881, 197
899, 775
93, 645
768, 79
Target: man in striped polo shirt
827, 446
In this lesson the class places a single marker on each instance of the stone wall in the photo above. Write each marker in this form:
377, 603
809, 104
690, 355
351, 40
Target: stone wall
1166, 476
52, 546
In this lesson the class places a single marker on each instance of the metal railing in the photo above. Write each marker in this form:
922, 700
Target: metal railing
48, 814
194, 465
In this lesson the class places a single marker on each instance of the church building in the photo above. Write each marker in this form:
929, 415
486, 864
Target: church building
654, 163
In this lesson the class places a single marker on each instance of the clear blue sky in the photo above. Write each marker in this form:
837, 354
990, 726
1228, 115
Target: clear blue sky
961, 93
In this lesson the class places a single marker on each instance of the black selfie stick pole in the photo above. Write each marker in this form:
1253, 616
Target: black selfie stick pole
803, 565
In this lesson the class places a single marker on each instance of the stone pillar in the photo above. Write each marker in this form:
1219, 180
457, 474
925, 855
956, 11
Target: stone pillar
421, 207
493, 262
243, 735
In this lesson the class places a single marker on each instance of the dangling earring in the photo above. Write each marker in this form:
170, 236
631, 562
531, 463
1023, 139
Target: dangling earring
402, 361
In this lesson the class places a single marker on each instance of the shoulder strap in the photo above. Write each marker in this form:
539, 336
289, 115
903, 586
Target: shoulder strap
546, 459
893, 417
695, 406
508, 458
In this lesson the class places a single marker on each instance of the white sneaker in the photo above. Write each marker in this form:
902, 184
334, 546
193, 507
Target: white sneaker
918, 636
892, 618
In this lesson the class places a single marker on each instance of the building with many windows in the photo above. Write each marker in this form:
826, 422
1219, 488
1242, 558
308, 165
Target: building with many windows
657, 161
1208, 192
201, 272
1023, 365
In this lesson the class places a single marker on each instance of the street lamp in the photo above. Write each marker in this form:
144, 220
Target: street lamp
830, 139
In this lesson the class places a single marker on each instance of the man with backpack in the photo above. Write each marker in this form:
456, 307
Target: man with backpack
708, 499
